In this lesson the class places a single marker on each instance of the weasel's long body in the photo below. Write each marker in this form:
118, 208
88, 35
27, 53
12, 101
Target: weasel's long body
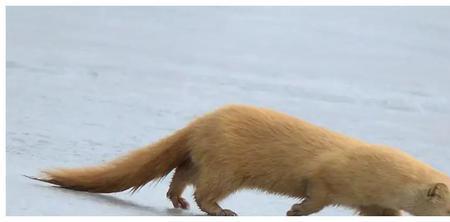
238, 147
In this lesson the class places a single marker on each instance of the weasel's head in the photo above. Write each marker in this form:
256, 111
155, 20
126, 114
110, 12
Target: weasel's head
434, 201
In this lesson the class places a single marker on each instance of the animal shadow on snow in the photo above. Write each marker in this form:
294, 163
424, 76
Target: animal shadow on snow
115, 201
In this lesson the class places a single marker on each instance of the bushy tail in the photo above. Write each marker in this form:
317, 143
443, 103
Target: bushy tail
133, 170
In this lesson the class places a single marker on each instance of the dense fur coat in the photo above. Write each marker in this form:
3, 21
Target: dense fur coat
239, 146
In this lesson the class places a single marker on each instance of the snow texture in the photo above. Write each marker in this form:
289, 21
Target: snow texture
87, 84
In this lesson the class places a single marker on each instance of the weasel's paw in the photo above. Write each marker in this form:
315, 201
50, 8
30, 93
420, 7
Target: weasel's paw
226, 212
295, 213
179, 202
296, 210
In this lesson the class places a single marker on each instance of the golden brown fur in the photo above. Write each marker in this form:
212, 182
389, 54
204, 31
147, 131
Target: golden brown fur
241, 146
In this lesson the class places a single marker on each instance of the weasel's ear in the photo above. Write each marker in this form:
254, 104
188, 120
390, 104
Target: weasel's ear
438, 191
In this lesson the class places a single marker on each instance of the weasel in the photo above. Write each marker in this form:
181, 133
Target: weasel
240, 146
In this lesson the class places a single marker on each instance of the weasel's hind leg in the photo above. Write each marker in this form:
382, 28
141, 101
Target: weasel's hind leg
316, 199
209, 191
182, 178
377, 211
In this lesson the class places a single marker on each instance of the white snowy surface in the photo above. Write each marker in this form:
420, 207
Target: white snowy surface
85, 85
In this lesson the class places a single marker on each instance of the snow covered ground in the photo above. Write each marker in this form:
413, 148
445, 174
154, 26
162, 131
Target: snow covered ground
85, 85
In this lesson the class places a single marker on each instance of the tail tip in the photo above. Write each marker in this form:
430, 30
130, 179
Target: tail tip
38, 179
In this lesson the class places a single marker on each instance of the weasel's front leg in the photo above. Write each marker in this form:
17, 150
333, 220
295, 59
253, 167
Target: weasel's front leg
315, 201
378, 211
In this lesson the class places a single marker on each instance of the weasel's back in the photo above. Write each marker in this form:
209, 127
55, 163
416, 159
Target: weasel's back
252, 140
242, 124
